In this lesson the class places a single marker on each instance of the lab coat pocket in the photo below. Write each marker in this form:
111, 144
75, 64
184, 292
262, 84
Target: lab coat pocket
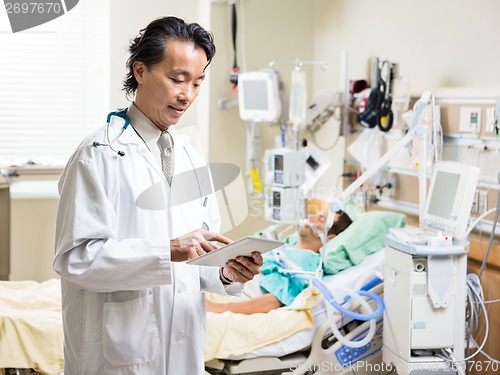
130, 332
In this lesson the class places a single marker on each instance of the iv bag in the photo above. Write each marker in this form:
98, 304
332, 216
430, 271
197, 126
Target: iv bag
298, 99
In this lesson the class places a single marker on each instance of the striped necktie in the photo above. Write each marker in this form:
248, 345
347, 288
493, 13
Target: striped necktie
166, 145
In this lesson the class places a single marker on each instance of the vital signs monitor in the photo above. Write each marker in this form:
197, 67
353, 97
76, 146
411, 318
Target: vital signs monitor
258, 96
449, 201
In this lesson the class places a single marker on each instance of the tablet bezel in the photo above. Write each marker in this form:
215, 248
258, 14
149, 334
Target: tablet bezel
242, 247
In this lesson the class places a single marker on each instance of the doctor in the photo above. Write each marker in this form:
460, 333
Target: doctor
130, 303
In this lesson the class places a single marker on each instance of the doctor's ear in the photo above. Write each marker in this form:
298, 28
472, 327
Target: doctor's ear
138, 68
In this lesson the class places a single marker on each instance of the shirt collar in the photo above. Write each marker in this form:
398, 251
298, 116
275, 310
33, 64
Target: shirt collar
146, 129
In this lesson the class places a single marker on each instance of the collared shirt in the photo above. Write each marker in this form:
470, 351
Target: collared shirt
147, 130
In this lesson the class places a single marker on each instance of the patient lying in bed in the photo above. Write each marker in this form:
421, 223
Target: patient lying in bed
285, 330
281, 289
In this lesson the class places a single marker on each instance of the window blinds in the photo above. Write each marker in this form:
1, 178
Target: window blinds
54, 85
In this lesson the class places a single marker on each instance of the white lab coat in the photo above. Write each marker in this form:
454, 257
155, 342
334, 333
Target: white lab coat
127, 309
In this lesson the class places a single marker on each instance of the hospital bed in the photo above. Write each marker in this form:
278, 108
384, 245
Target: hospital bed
31, 334
311, 349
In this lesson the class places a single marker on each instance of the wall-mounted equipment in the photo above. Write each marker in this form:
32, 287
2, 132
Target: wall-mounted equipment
259, 96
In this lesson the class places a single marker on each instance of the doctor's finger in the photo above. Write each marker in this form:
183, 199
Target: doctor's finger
211, 236
257, 258
207, 246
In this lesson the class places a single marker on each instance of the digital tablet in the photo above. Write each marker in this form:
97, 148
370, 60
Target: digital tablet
245, 247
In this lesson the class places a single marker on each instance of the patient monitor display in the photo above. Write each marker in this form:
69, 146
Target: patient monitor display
450, 198
258, 96
444, 195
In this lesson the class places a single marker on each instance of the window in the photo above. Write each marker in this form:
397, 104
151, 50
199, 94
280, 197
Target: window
54, 84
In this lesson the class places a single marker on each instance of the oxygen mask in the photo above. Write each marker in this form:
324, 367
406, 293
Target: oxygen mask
314, 227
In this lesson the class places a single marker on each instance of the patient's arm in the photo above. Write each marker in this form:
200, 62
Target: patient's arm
260, 304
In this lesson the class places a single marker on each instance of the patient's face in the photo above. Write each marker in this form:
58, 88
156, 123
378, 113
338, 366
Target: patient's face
317, 221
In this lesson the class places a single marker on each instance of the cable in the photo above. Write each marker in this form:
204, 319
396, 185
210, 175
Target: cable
474, 296
492, 301
478, 219
487, 355
235, 70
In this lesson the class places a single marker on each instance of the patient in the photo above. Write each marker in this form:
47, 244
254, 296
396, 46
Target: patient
281, 289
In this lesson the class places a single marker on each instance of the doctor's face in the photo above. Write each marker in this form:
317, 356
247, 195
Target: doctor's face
167, 90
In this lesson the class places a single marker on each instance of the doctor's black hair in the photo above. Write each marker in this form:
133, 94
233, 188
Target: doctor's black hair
149, 47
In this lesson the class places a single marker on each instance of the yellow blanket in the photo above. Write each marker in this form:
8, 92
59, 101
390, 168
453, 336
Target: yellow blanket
31, 334
31, 326
231, 334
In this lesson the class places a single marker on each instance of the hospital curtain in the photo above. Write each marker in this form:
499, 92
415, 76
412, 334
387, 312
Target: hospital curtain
54, 84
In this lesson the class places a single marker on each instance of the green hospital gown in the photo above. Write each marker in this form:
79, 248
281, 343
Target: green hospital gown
285, 287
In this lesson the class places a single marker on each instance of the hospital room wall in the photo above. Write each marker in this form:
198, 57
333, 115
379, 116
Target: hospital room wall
32, 218
435, 44
280, 31
123, 27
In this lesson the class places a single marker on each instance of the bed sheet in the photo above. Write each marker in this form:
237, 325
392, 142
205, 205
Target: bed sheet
32, 311
302, 340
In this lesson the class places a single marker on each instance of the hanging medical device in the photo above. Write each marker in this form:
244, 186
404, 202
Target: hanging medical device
123, 115
284, 174
284, 167
414, 130
259, 96
233, 78
316, 165
378, 111
298, 98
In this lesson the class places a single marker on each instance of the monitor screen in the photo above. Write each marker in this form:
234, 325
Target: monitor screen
278, 162
256, 95
450, 196
276, 199
444, 194
312, 163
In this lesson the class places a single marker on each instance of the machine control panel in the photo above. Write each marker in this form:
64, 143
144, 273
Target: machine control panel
348, 356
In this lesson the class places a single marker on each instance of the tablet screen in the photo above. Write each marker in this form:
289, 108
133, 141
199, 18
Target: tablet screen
245, 247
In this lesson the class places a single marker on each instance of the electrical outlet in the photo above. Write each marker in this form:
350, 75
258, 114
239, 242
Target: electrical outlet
470, 119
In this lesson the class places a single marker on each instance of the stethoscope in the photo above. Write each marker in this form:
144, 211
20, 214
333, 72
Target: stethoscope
122, 114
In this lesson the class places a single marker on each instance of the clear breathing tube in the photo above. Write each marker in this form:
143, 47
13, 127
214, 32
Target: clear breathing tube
351, 295
370, 316
331, 300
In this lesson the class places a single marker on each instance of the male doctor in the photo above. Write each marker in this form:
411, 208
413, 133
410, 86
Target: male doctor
131, 305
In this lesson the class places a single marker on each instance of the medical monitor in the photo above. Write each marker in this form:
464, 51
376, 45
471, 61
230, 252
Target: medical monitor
284, 167
450, 197
258, 96
316, 165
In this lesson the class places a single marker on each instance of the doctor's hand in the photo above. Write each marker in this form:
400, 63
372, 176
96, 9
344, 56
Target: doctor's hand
243, 269
194, 244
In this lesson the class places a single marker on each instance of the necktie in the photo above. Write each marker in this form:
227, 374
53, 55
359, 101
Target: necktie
166, 145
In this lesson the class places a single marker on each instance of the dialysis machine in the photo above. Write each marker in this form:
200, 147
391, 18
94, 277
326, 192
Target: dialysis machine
425, 278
